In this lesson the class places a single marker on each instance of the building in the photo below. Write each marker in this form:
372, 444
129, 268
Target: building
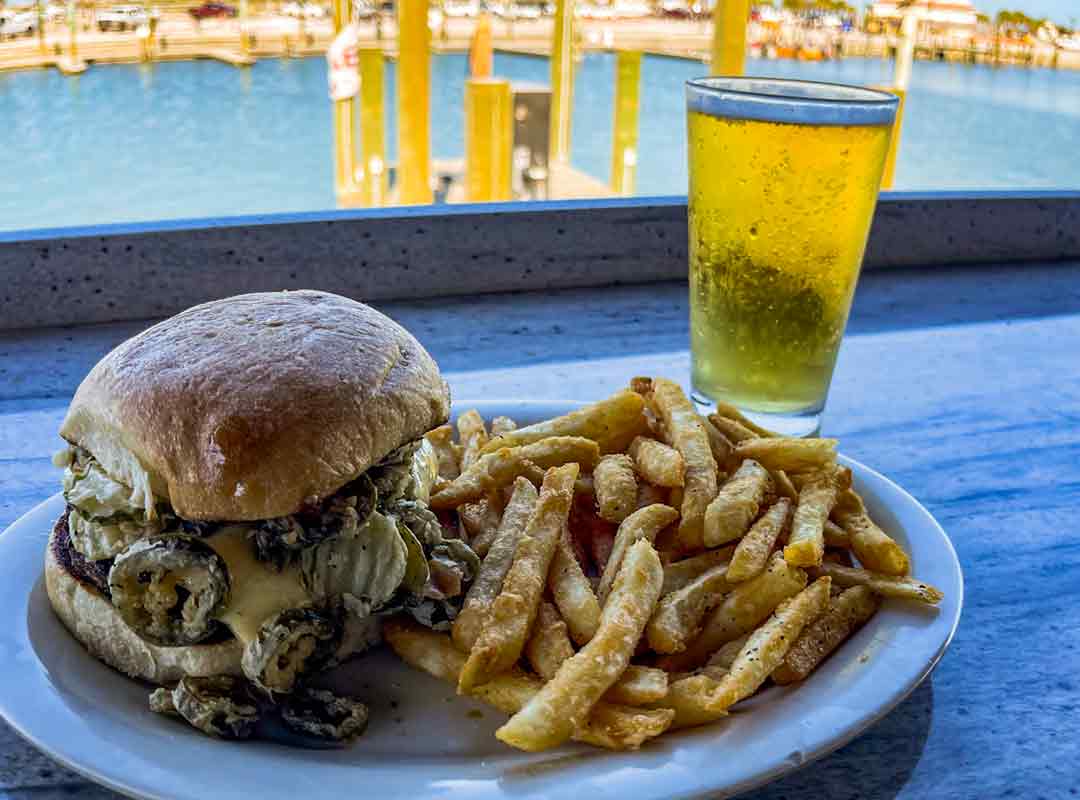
934, 16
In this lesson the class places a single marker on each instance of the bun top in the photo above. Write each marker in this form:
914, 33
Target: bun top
244, 408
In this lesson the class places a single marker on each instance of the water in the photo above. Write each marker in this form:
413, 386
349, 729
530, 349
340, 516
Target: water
194, 139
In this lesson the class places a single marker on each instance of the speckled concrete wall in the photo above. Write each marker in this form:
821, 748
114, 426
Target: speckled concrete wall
111, 273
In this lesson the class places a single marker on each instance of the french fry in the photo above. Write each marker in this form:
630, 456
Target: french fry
649, 494
902, 587
726, 655
729, 411
473, 436
549, 643
555, 451
806, 543
842, 557
767, 646
488, 473
791, 455
753, 550
549, 646
784, 486
441, 440
689, 438
680, 573
744, 608
564, 703
835, 536
847, 612
677, 619
572, 592
488, 582
481, 521
506, 629
737, 503
638, 686
640, 384
688, 698
645, 523
615, 485
874, 548
657, 463
733, 430
611, 423
502, 425
610, 726
723, 449
493, 470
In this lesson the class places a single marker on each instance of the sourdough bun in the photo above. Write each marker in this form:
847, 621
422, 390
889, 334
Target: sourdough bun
244, 408
91, 618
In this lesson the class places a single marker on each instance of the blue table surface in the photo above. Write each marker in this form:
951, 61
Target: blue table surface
963, 385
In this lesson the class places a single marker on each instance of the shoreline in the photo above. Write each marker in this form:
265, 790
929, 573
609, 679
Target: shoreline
179, 39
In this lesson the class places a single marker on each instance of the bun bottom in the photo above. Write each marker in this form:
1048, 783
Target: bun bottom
91, 619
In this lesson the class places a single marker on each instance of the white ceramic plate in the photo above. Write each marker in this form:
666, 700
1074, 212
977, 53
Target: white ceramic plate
423, 740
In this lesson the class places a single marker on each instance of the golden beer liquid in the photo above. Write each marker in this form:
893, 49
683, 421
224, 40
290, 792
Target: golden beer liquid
779, 216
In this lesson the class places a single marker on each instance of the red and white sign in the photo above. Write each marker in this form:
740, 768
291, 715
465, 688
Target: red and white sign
343, 60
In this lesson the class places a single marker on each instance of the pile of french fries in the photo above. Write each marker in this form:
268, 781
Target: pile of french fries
646, 568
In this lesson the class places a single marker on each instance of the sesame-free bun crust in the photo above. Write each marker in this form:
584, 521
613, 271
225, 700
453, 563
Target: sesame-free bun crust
91, 619
244, 408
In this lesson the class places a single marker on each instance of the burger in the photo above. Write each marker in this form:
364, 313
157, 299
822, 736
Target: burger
246, 491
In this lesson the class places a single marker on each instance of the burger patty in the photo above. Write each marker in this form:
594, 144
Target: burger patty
94, 573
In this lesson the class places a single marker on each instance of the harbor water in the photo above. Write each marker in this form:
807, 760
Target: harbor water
125, 143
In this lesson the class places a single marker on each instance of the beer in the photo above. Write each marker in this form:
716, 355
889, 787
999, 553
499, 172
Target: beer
779, 214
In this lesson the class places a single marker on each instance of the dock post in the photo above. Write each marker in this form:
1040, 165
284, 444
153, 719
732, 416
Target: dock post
625, 134
372, 126
729, 37
562, 82
344, 127
41, 26
905, 55
489, 133
73, 27
242, 15
413, 97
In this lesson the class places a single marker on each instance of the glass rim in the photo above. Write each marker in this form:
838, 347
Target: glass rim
792, 101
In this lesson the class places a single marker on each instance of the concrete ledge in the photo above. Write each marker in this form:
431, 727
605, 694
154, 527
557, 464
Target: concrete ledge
123, 272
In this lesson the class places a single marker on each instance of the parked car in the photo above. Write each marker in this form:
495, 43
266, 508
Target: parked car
17, 23
122, 18
211, 9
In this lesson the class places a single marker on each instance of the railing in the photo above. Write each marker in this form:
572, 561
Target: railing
116, 272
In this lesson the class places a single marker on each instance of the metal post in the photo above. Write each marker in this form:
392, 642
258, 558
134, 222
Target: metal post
413, 97
41, 25
562, 81
489, 135
245, 47
344, 127
625, 135
73, 27
372, 126
905, 55
729, 36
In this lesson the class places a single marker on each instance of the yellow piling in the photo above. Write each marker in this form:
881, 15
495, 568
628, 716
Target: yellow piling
413, 98
489, 133
372, 126
562, 81
729, 36
481, 56
41, 26
625, 136
344, 128
905, 55
73, 27
245, 45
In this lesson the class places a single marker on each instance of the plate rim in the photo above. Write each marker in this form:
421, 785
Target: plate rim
699, 787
